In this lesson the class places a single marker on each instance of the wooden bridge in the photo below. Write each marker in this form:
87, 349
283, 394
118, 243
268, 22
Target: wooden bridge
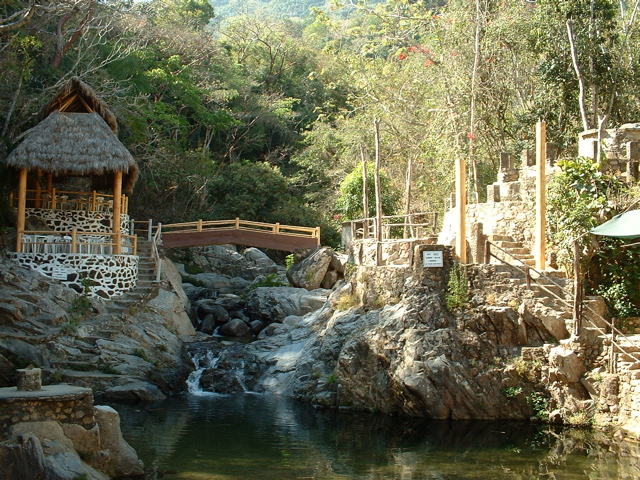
239, 232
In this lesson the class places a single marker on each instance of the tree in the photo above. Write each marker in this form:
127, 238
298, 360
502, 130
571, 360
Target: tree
349, 202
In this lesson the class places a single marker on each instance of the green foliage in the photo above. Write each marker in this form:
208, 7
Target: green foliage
331, 378
139, 352
457, 294
350, 201
289, 261
512, 392
347, 301
192, 268
270, 280
613, 271
540, 405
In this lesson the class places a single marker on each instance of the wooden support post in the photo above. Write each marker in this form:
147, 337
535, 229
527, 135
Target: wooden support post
150, 230
74, 241
53, 198
22, 207
199, 227
94, 196
541, 196
237, 223
318, 235
276, 228
117, 209
461, 203
135, 245
38, 202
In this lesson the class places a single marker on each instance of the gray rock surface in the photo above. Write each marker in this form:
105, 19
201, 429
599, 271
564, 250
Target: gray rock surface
273, 304
309, 272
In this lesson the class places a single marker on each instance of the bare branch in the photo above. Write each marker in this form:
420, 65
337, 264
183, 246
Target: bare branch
576, 66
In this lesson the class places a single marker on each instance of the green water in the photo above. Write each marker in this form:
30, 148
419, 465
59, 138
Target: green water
265, 437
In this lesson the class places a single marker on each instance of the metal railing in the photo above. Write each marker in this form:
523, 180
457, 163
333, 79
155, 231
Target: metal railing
526, 270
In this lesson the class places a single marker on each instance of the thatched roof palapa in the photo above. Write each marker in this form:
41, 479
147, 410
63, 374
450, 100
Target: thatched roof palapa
78, 97
75, 144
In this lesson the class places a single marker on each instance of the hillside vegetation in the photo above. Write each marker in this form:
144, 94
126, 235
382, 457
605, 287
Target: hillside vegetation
263, 117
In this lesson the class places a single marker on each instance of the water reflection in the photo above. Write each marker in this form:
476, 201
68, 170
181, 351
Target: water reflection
265, 437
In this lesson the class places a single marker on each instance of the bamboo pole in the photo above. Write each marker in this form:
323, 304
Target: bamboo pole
577, 290
541, 200
407, 204
376, 124
461, 201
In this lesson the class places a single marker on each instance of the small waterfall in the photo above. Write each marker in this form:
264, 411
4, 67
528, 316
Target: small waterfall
202, 362
228, 377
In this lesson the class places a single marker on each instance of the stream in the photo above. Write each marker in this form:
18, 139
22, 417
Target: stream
251, 436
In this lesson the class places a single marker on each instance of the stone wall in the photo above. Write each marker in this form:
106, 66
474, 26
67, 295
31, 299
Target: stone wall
67, 220
73, 405
110, 275
398, 253
620, 146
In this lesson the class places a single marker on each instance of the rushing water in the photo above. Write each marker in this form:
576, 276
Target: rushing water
248, 436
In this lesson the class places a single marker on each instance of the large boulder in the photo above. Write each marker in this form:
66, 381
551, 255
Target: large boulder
310, 272
263, 264
273, 304
235, 328
123, 458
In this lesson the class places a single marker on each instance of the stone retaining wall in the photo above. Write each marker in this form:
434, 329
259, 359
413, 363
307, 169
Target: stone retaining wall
110, 275
75, 407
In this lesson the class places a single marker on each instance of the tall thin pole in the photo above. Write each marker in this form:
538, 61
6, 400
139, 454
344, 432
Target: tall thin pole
22, 208
117, 208
461, 203
408, 230
376, 124
541, 196
365, 194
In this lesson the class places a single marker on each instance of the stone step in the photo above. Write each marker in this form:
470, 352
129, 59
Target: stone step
501, 238
519, 250
625, 366
506, 245
77, 365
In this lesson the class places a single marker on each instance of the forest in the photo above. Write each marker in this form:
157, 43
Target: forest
267, 117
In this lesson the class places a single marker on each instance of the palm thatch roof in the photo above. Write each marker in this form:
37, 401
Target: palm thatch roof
78, 97
76, 144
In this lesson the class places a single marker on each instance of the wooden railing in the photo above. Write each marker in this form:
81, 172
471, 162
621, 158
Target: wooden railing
72, 200
237, 224
415, 225
46, 241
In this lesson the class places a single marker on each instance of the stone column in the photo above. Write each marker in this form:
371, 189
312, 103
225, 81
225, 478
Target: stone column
29, 379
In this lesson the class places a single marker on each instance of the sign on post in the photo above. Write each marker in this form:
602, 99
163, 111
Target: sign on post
432, 259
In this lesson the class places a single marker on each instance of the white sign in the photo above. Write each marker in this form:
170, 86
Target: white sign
60, 273
432, 259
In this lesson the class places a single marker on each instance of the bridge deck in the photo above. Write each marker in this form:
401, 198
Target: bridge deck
239, 232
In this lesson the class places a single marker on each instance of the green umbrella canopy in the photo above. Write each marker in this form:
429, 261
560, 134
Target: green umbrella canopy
623, 225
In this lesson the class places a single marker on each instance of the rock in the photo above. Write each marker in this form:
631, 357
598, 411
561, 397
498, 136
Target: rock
123, 459
262, 262
309, 272
235, 328
230, 302
330, 279
566, 365
257, 326
208, 325
7, 371
218, 313
194, 293
339, 262
273, 304
173, 308
134, 392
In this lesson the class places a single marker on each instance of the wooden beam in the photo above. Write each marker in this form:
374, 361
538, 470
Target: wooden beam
540, 252
117, 207
22, 207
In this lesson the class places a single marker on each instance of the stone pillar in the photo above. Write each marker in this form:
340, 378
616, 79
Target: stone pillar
506, 162
476, 242
29, 379
528, 158
493, 193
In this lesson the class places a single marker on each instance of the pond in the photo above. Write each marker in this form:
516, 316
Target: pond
248, 436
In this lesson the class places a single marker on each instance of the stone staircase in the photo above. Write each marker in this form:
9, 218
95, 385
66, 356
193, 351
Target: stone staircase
515, 250
145, 286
